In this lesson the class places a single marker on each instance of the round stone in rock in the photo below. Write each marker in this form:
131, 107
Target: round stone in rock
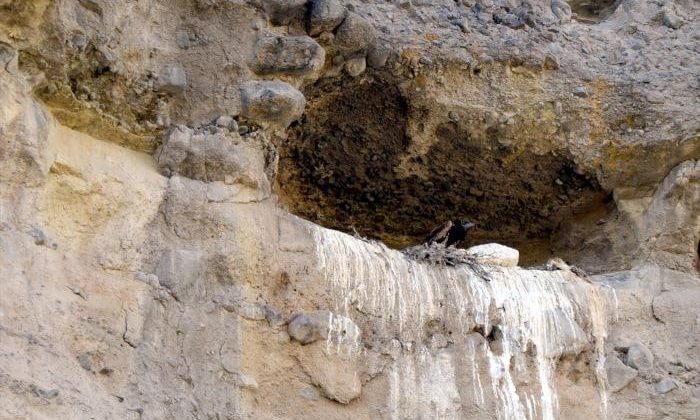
224, 121
581, 92
307, 328
325, 16
183, 40
378, 56
355, 66
665, 385
670, 19
354, 34
640, 358
272, 102
561, 10
287, 55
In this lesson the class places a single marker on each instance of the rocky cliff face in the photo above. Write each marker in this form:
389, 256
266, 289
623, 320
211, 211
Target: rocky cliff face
204, 203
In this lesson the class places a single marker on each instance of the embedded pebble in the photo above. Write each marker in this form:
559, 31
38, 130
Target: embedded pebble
665, 385
355, 66
354, 34
581, 92
325, 16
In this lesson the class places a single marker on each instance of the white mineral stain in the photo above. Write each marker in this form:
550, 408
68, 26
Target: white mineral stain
538, 315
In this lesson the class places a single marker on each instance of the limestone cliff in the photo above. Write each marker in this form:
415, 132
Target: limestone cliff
205, 207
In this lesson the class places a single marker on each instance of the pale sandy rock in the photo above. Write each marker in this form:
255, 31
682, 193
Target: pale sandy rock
572, 340
336, 375
134, 318
180, 271
293, 235
229, 355
618, 375
220, 192
665, 385
86, 96
186, 201
640, 358
246, 382
24, 130
172, 79
495, 254
309, 393
669, 226
671, 307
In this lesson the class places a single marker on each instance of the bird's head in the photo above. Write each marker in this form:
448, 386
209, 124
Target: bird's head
466, 224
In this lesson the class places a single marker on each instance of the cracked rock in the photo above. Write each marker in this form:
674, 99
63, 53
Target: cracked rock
251, 311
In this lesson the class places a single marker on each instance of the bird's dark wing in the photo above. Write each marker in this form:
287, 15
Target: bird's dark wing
439, 233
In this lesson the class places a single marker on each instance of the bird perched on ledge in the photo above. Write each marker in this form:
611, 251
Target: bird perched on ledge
559, 264
450, 233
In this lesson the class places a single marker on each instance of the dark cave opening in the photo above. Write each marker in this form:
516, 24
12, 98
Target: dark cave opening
341, 167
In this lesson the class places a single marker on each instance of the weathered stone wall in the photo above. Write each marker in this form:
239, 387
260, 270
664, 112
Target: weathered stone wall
152, 154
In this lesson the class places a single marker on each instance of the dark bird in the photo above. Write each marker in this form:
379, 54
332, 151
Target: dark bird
450, 233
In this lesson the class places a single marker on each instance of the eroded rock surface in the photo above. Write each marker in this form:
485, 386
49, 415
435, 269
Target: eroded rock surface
153, 153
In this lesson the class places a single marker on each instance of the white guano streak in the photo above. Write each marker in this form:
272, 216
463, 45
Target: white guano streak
532, 307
